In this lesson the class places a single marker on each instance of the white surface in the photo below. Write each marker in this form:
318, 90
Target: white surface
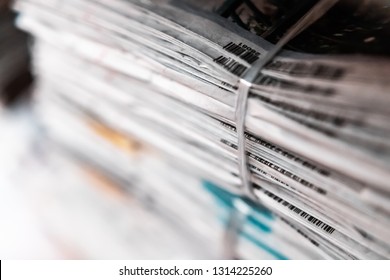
21, 236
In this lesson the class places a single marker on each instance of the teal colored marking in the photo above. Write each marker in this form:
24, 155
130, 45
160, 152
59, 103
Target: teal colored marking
256, 242
263, 246
253, 222
226, 199
259, 225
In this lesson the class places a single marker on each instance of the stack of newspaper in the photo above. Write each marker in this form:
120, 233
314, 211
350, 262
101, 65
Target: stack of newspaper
152, 209
71, 209
167, 73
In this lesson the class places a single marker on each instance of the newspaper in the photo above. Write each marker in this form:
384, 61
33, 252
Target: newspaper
167, 73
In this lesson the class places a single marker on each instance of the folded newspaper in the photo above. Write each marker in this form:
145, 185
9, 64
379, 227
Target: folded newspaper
167, 73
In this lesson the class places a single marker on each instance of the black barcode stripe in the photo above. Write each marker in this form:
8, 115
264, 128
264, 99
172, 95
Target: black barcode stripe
234, 49
279, 169
268, 81
231, 65
317, 70
278, 150
315, 243
320, 224
242, 51
320, 116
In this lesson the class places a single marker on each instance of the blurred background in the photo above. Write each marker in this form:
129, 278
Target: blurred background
54, 207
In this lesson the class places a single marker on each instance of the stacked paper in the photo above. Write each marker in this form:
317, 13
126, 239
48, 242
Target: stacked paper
167, 73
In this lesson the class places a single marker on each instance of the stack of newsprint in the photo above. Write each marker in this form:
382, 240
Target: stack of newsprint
13, 57
167, 73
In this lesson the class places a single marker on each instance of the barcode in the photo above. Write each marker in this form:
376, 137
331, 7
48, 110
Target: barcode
320, 116
280, 151
300, 232
302, 213
229, 85
269, 175
288, 174
243, 51
231, 65
323, 130
317, 70
280, 170
289, 86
